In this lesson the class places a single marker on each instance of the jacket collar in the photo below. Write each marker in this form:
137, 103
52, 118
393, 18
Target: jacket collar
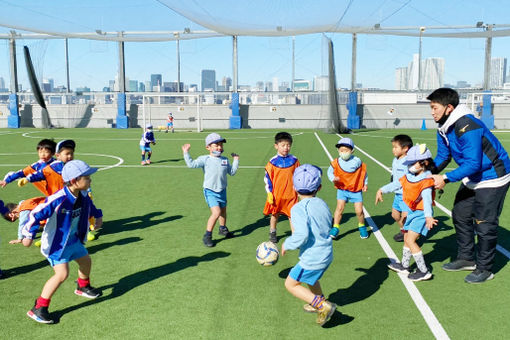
460, 111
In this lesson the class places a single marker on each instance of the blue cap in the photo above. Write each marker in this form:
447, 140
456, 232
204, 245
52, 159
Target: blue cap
419, 152
76, 168
66, 143
307, 178
214, 138
345, 142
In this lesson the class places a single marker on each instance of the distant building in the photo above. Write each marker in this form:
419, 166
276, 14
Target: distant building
268, 86
284, 87
432, 74
302, 85
259, 86
401, 79
430, 77
47, 85
133, 86
462, 84
226, 82
156, 80
148, 86
498, 73
141, 87
320, 83
208, 80
2, 83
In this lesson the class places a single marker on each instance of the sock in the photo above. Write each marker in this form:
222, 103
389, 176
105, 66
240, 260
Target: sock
83, 282
223, 227
143, 158
149, 156
406, 257
317, 301
208, 233
42, 302
272, 230
420, 262
361, 225
336, 226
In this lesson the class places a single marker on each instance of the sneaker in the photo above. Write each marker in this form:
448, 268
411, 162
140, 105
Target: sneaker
399, 237
309, 308
208, 242
324, 314
143, 163
459, 265
88, 291
418, 275
479, 276
363, 232
166, 131
333, 233
272, 237
91, 236
148, 162
40, 314
37, 243
398, 267
223, 231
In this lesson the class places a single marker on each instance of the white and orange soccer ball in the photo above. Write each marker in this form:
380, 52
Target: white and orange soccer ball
267, 254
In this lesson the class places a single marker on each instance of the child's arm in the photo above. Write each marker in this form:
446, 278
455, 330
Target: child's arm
40, 213
331, 174
190, 162
426, 195
98, 216
300, 233
269, 188
235, 164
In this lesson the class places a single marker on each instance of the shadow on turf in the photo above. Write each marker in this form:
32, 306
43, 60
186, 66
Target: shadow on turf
167, 160
91, 249
135, 280
135, 222
261, 222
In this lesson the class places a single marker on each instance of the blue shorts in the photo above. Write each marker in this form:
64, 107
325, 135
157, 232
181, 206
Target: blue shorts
416, 222
145, 148
169, 124
307, 276
399, 205
70, 253
349, 196
215, 199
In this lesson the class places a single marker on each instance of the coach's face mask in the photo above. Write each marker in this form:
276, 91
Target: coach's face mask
345, 155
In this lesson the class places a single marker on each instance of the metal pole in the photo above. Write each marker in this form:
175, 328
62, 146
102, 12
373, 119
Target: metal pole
487, 68
422, 29
293, 64
67, 66
178, 66
13, 64
353, 67
122, 70
234, 63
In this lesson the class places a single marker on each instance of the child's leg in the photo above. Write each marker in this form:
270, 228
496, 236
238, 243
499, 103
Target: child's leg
215, 214
397, 216
149, 154
358, 208
295, 288
340, 206
223, 216
403, 218
273, 221
50, 287
410, 239
85, 265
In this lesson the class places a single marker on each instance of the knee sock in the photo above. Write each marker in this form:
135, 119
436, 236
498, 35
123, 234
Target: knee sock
149, 156
143, 158
317, 301
83, 282
406, 257
42, 302
420, 262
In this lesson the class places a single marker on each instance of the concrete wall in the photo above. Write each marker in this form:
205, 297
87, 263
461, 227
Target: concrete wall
373, 116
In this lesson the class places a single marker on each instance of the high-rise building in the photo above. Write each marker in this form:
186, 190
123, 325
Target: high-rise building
156, 80
226, 82
401, 78
432, 76
208, 80
498, 73
259, 86
148, 86
141, 87
320, 83
47, 85
268, 86
413, 72
2, 83
302, 85
133, 86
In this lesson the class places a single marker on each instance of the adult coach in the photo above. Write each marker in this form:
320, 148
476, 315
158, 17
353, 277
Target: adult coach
484, 170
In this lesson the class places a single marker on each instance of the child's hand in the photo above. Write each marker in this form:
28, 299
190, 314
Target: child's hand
430, 222
22, 182
365, 188
378, 196
234, 155
283, 250
15, 241
186, 147
270, 198
153, 143
3, 184
99, 223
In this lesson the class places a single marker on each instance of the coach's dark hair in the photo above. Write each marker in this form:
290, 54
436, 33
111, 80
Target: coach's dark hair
403, 141
282, 136
444, 96
47, 144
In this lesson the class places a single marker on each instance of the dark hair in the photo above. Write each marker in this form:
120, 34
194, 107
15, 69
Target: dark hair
430, 166
66, 144
403, 141
282, 136
444, 96
48, 144
10, 207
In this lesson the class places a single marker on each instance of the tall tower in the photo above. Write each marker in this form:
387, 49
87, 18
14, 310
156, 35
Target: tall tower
208, 80
498, 73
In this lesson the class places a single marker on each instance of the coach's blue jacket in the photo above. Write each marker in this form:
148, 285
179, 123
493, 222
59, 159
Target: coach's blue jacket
58, 210
479, 154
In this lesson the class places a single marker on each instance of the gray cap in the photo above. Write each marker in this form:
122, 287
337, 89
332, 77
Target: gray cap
307, 178
419, 152
345, 142
76, 168
214, 138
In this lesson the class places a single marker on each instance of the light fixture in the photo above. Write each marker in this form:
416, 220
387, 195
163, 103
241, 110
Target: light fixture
187, 30
377, 26
479, 24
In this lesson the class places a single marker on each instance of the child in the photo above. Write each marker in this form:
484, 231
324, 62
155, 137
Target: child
311, 221
145, 144
401, 144
22, 211
52, 173
4, 211
278, 179
169, 122
45, 150
67, 213
349, 175
216, 168
418, 195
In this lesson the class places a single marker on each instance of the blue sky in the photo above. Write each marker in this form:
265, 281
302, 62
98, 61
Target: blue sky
93, 63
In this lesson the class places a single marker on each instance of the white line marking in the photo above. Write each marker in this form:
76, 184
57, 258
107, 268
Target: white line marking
435, 326
102, 167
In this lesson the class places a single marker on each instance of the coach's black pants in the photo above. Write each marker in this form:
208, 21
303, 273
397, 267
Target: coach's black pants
478, 211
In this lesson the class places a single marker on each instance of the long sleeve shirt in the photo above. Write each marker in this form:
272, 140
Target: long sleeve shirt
398, 169
311, 220
147, 138
39, 165
215, 170
350, 165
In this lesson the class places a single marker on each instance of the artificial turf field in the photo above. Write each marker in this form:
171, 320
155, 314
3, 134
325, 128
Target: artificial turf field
160, 282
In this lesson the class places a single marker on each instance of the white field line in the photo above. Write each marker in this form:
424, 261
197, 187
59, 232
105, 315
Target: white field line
448, 212
432, 322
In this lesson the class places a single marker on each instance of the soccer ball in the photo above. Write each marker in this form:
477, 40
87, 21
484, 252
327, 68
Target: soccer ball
267, 254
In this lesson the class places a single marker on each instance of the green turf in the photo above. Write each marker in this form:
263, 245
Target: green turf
159, 280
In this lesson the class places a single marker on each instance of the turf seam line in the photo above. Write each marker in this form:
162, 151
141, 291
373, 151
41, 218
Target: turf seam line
430, 319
